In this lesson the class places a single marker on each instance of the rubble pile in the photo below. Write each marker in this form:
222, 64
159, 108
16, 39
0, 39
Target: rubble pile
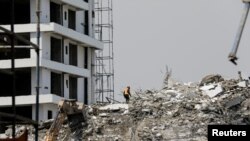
180, 112
20, 130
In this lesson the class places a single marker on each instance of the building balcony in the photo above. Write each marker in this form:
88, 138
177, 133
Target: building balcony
80, 4
52, 65
31, 99
77, 71
82, 39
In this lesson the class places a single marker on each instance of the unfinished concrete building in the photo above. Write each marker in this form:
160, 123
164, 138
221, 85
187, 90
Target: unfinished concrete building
67, 55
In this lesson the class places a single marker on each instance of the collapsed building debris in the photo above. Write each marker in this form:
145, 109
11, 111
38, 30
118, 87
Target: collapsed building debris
181, 112
213, 78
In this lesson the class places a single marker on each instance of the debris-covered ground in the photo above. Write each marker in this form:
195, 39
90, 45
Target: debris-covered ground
180, 112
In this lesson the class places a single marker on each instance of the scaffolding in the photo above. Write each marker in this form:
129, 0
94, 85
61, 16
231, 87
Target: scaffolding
104, 64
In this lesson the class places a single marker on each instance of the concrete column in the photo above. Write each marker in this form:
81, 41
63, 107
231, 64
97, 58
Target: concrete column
80, 89
65, 13
89, 57
41, 112
45, 82
45, 11
79, 21
90, 94
46, 108
33, 81
80, 56
92, 78
45, 45
66, 86
66, 51
33, 40
91, 20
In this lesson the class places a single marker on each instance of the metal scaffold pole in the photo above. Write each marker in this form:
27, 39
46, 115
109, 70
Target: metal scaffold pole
37, 67
13, 69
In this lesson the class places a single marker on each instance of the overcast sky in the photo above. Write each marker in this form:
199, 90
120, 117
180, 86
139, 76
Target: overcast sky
193, 37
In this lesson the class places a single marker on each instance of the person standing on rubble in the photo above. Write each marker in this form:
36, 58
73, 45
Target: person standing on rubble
126, 93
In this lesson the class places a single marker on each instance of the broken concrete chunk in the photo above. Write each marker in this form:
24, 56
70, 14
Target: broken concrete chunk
125, 112
235, 101
89, 131
246, 104
242, 84
158, 135
103, 115
213, 78
197, 107
3, 136
154, 130
8, 132
116, 139
94, 117
212, 90
46, 124
114, 107
173, 93
146, 110
147, 104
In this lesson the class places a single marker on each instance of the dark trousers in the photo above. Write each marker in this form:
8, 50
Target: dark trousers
126, 97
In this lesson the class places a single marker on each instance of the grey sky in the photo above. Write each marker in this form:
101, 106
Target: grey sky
193, 37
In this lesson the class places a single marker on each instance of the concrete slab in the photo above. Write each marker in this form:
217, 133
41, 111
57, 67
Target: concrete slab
242, 84
234, 102
212, 90
114, 107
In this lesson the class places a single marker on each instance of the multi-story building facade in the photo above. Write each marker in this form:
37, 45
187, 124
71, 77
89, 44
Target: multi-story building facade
67, 55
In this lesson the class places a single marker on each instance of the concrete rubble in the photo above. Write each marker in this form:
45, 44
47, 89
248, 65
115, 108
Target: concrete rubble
180, 112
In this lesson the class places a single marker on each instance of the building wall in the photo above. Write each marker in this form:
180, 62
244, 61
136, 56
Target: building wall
80, 89
79, 21
45, 73
44, 81
45, 14
91, 20
92, 81
66, 86
45, 45
66, 47
43, 111
80, 55
65, 10
45, 52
